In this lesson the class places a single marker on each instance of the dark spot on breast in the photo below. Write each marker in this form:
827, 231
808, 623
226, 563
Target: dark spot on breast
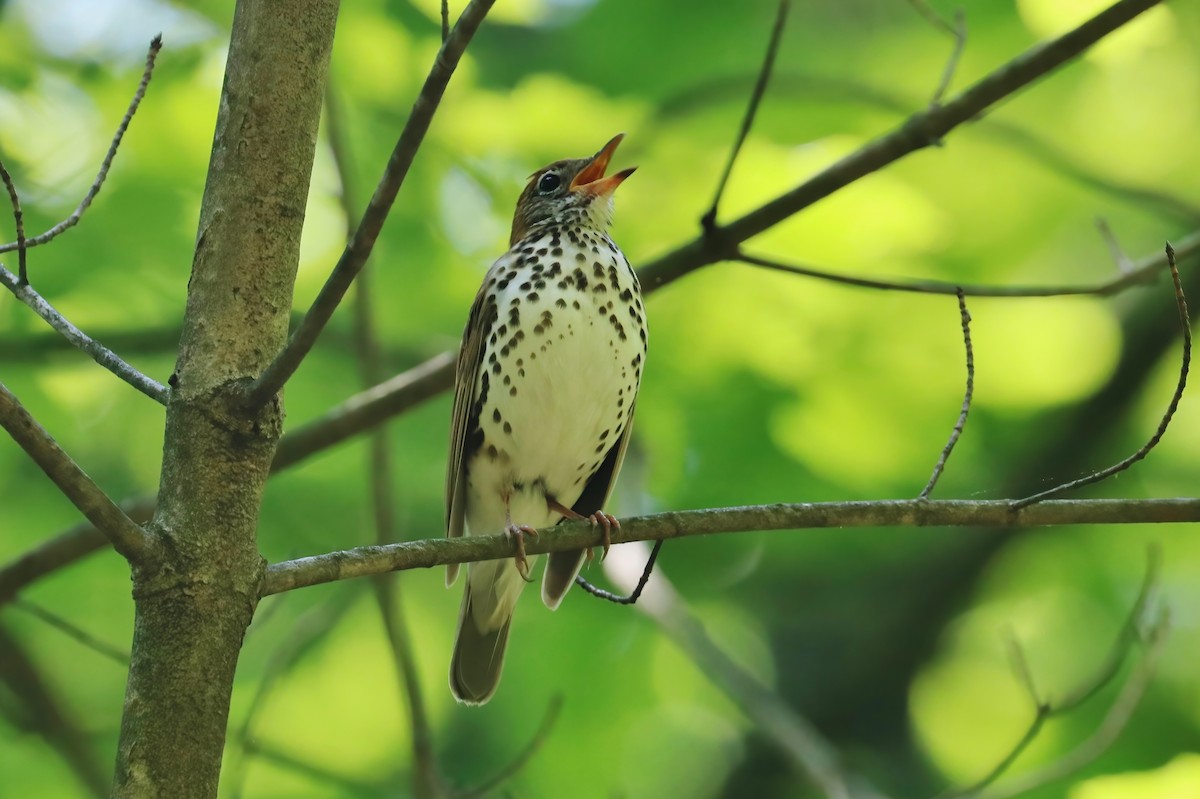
526, 286
579, 256
627, 295
496, 416
492, 452
603, 434
575, 304
542, 250
538, 330
533, 296
560, 302
508, 428
557, 250
600, 288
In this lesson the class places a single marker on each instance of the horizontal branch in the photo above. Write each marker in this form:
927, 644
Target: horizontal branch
1140, 272
425, 553
126, 537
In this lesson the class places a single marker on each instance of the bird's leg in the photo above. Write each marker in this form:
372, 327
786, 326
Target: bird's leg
605, 520
517, 533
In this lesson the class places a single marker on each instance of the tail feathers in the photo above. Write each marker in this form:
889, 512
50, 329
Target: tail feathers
478, 656
561, 570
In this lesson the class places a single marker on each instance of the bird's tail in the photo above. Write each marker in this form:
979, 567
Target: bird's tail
483, 624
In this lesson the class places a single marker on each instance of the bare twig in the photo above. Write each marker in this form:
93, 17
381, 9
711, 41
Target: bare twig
304, 765
1140, 272
445, 20
708, 222
965, 315
99, 353
959, 33
632, 597
1110, 729
18, 222
73, 219
356, 253
62, 550
47, 716
1120, 259
126, 537
523, 757
919, 131
1044, 709
794, 736
309, 628
1144, 450
428, 552
73, 631
427, 781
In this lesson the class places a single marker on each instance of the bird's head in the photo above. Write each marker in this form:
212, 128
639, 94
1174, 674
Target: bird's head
571, 192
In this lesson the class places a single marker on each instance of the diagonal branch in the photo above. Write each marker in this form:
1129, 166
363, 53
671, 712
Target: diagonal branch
709, 220
126, 537
1164, 422
77, 214
359, 249
919, 131
428, 552
99, 353
19, 222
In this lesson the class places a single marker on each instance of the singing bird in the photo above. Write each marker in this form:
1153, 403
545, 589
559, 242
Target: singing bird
548, 373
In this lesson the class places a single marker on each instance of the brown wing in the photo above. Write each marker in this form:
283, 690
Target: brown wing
561, 567
465, 433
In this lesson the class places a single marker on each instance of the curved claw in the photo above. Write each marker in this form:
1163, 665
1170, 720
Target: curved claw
608, 522
517, 532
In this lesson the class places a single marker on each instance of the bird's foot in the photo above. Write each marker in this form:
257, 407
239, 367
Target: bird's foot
517, 533
607, 522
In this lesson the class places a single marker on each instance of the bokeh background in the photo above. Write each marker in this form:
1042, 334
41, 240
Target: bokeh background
760, 387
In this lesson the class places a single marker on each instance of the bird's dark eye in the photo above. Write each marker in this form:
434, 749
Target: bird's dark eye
548, 182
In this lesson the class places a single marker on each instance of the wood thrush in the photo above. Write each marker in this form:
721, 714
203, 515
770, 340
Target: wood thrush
548, 374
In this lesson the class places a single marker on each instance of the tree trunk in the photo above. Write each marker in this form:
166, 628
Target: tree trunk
193, 607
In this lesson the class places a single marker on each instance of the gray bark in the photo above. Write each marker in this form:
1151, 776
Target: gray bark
194, 605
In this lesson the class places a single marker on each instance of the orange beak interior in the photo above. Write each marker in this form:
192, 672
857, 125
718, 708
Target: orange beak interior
591, 178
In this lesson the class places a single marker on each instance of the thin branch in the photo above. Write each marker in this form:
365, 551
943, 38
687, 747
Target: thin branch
1120, 259
523, 757
74, 632
14, 199
965, 316
428, 552
1164, 422
309, 628
445, 20
1110, 729
367, 409
126, 537
356, 253
73, 219
709, 221
1140, 272
919, 131
958, 31
632, 597
427, 781
305, 766
794, 736
46, 714
1044, 709
99, 353
62, 550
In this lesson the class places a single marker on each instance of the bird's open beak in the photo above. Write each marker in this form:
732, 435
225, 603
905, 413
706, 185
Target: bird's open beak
591, 178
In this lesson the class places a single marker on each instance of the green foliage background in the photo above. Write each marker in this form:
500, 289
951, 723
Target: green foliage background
760, 387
